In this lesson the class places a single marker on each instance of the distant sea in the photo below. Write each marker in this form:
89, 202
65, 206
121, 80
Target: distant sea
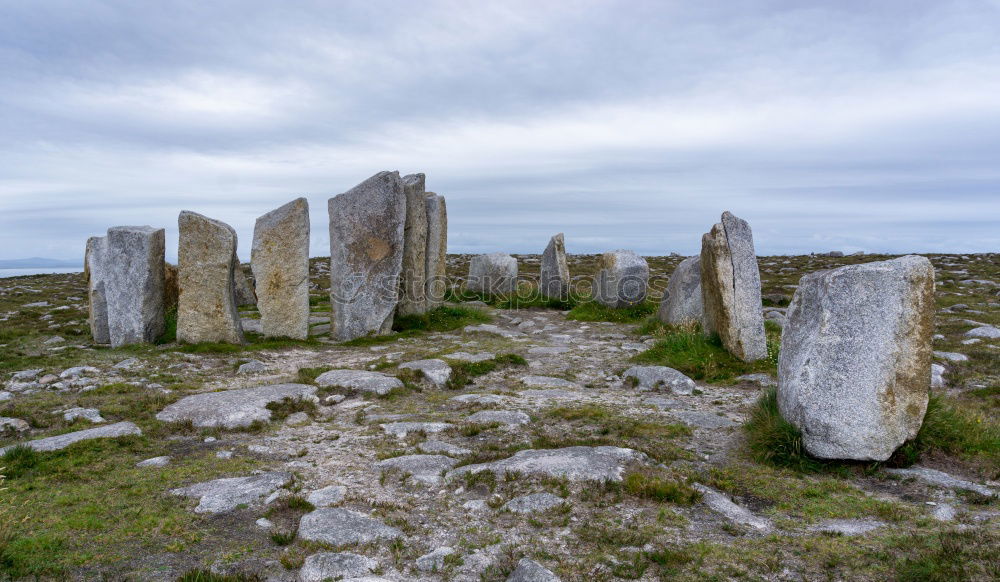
38, 271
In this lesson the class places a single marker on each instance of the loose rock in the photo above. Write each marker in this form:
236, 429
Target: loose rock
658, 378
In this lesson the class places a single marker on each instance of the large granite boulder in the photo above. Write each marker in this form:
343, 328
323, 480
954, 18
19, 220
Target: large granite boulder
366, 256
622, 279
855, 364
730, 288
554, 277
95, 266
436, 274
206, 307
280, 262
134, 284
682, 303
413, 282
495, 273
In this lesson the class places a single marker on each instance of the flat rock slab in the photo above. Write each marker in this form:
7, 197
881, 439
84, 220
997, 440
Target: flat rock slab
436, 447
361, 380
327, 496
62, 441
553, 394
548, 350
531, 571
573, 463
401, 429
492, 329
984, 331
233, 408
848, 527
942, 479
547, 382
507, 417
659, 378
335, 566
220, 495
88, 414
702, 419
339, 527
724, 506
764, 380
467, 357
438, 372
425, 469
533, 503
951, 356
478, 398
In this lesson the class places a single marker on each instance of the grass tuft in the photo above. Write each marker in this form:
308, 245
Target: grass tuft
659, 487
954, 430
462, 373
775, 441
702, 357
444, 318
591, 310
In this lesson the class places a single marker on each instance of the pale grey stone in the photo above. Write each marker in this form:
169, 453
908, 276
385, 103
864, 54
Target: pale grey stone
478, 398
494, 273
95, 267
944, 512
401, 429
413, 281
335, 566
528, 570
233, 408
206, 307
280, 262
682, 303
264, 523
77, 371
13, 426
154, 462
221, 495
251, 325
436, 274
552, 394
337, 527
547, 382
942, 479
855, 363
507, 417
366, 256
760, 379
984, 331
937, 376
848, 527
573, 463
327, 496
223, 454
467, 357
493, 330
724, 506
476, 506
252, 367
62, 441
548, 350
434, 561
25, 375
425, 469
951, 356
658, 378
88, 414
622, 279
730, 287
297, 419
438, 372
435, 447
361, 380
704, 419
127, 364
533, 503
243, 291
554, 275
5, 395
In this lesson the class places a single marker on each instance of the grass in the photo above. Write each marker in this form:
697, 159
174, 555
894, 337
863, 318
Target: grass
255, 343
527, 296
463, 373
444, 318
774, 441
659, 486
287, 406
201, 575
598, 425
954, 430
590, 310
947, 556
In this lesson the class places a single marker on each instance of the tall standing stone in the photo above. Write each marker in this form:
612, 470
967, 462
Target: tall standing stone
554, 277
206, 307
171, 287
622, 279
436, 274
243, 289
94, 266
730, 288
280, 263
413, 283
134, 284
855, 364
682, 304
366, 256
495, 273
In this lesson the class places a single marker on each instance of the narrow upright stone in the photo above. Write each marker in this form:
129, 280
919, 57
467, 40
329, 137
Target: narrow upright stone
171, 291
855, 365
554, 279
244, 293
495, 273
94, 266
206, 307
682, 303
134, 284
622, 279
280, 263
413, 284
366, 256
436, 274
730, 288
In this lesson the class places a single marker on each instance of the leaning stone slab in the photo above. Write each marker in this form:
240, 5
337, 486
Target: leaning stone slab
682, 303
724, 506
855, 365
206, 307
438, 372
233, 408
622, 279
573, 463
658, 378
554, 277
494, 273
366, 256
528, 570
425, 469
361, 380
338, 527
62, 441
413, 281
280, 262
220, 495
533, 503
436, 273
95, 268
942, 479
335, 566
730, 287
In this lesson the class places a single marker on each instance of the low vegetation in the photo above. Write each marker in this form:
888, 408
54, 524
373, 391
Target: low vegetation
463, 373
591, 310
701, 356
444, 318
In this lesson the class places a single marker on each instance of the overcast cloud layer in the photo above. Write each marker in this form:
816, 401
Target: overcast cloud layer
842, 125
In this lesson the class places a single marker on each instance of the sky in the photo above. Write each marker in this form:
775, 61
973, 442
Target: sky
846, 125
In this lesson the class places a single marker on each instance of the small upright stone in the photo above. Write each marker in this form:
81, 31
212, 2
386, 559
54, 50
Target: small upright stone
206, 307
95, 270
682, 303
280, 263
730, 288
622, 278
134, 284
366, 256
554, 279
413, 282
493, 273
436, 274
855, 365
243, 290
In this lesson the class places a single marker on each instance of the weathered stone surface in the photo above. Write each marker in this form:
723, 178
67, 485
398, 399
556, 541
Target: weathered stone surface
682, 303
14, 426
280, 262
554, 277
327, 496
434, 561
154, 462
507, 417
724, 506
401, 429
95, 268
206, 307
984, 331
335, 566
233, 408
730, 288
533, 503
573, 463
171, 287
366, 256
437, 372
951, 356
942, 479
436, 273
658, 378
362, 380
423, 468
243, 290
413, 281
338, 527
435, 447
64, 440
220, 495
622, 278
491, 329
252, 367
495, 273
547, 382
88, 414
467, 357
528, 570
855, 364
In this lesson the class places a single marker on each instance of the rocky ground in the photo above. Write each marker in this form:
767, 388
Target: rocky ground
521, 439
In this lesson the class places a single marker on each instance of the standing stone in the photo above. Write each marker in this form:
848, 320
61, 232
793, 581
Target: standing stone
622, 278
436, 274
243, 291
134, 284
730, 288
682, 303
366, 256
495, 273
206, 307
280, 262
94, 267
413, 284
170, 287
855, 364
554, 278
